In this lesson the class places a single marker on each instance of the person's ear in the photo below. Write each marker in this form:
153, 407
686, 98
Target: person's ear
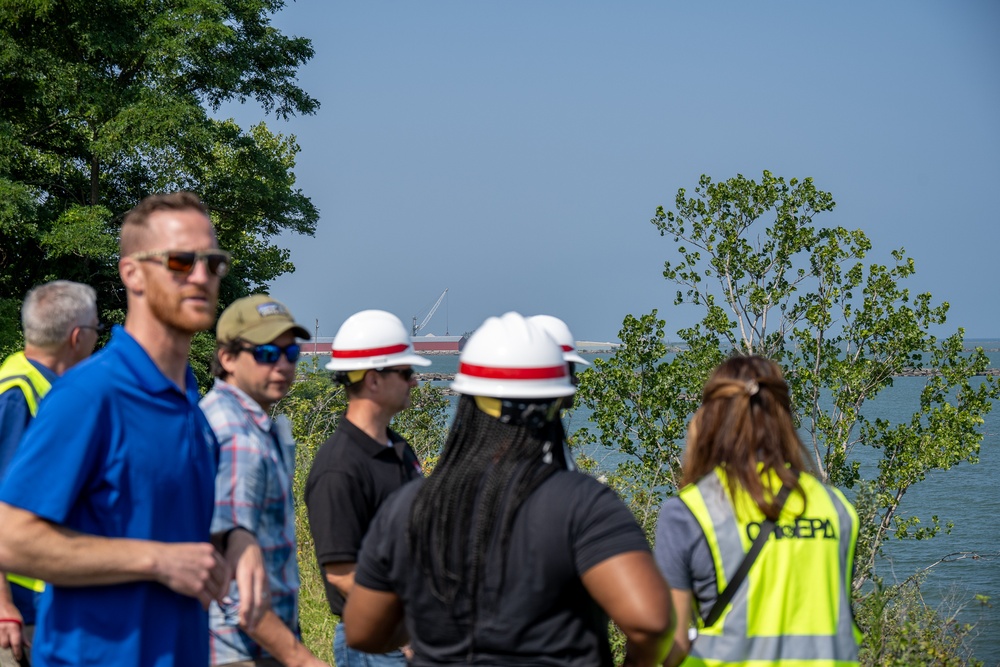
227, 359
132, 275
372, 380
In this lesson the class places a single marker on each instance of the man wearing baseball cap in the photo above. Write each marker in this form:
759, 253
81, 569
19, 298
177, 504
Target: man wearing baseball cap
254, 366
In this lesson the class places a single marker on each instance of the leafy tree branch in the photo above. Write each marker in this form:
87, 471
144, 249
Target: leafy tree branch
771, 282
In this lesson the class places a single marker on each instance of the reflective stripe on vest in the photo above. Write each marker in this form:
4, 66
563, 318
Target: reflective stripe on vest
794, 606
36, 585
17, 371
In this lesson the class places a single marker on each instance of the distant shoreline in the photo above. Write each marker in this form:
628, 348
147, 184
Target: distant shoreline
907, 372
608, 347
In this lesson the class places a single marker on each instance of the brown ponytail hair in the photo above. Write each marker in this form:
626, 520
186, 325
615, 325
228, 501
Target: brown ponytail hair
744, 420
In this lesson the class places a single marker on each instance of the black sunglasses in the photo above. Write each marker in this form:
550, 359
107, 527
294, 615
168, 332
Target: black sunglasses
405, 373
270, 353
183, 261
100, 327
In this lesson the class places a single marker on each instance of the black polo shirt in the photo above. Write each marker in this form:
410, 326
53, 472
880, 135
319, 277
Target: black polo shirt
351, 477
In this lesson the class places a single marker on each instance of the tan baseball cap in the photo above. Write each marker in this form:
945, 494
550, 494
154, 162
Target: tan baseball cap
257, 319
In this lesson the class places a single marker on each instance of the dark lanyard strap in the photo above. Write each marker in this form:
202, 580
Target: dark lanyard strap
766, 528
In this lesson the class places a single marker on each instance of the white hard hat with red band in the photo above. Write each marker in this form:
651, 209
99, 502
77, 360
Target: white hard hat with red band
562, 335
372, 339
511, 357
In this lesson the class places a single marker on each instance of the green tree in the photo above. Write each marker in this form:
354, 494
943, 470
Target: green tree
107, 101
640, 408
424, 424
902, 631
772, 283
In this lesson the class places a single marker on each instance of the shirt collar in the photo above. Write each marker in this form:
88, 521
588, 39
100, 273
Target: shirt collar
371, 446
142, 365
46, 372
252, 408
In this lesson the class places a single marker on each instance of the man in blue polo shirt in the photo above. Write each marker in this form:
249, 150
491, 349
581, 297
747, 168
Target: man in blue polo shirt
120, 527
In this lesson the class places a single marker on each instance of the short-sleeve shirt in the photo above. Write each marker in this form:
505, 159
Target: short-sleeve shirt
352, 475
682, 554
118, 450
533, 608
253, 490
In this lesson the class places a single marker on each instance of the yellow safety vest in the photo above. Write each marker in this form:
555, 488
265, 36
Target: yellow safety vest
794, 608
18, 372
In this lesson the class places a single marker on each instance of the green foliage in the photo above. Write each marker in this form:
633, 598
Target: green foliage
10, 327
202, 351
423, 424
80, 232
901, 630
771, 283
313, 406
105, 102
640, 407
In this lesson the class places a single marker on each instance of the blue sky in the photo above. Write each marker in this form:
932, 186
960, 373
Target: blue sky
515, 151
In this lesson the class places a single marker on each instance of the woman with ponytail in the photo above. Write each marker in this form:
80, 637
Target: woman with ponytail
504, 556
757, 550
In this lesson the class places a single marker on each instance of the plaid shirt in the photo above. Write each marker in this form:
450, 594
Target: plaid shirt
253, 490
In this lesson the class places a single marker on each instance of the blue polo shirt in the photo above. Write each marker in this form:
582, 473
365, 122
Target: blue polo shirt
118, 450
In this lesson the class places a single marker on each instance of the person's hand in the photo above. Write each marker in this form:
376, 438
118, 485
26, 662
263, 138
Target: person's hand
194, 569
11, 626
244, 556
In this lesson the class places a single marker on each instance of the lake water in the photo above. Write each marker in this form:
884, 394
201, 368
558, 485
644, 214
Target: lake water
967, 495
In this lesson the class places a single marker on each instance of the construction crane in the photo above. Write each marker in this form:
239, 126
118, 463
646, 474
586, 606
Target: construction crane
430, 314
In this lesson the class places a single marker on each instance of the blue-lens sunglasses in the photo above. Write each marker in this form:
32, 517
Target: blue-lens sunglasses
270, 353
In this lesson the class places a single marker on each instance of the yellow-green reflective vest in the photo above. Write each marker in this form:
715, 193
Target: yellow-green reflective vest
18, 372
794, 607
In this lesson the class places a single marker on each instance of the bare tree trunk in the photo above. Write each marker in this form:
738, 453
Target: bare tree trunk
95, 180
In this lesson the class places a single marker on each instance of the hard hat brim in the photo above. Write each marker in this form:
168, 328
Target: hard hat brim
473, 386
410, 358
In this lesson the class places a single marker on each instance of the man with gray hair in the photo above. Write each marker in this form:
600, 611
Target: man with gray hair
60, 325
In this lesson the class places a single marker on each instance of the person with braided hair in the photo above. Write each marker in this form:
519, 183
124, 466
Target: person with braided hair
757, 550
503, 556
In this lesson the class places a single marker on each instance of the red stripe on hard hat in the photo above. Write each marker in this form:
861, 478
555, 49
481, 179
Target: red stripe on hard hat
373, 352
494, 373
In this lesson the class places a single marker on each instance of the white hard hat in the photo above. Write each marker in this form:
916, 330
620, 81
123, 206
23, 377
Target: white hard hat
372, 339
510, 357
561, 334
